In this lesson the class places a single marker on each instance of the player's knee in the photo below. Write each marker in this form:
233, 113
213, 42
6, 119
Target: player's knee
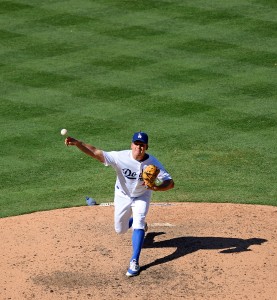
120, 230
140, 224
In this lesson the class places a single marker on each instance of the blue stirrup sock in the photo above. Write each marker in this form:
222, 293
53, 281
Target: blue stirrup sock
130, 222
137, 242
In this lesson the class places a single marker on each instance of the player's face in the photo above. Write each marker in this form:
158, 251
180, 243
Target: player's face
138, 150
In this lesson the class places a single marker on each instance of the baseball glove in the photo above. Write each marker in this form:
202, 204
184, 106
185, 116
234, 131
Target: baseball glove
149, 175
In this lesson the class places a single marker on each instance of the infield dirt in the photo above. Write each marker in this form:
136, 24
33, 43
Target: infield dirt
191, 251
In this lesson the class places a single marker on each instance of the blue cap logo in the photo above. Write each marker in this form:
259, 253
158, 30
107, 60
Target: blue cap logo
140, 137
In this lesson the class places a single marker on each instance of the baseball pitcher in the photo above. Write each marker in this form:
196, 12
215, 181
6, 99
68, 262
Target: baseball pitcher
138, 175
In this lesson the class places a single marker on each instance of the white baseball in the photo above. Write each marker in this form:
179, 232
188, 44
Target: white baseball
63, 132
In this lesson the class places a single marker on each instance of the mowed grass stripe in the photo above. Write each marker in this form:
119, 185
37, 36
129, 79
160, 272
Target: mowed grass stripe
37, 79
17, 110
11, 6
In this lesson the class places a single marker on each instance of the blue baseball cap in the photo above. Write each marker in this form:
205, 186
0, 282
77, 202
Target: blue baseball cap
140, 137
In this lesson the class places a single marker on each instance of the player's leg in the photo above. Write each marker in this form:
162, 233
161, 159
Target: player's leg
122, 212
140, 209
131, 222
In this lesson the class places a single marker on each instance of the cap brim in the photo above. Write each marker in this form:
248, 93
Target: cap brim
139, 140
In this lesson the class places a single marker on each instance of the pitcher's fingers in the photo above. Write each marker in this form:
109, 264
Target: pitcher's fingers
66, 141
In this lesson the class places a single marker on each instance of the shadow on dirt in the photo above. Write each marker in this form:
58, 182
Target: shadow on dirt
190, 244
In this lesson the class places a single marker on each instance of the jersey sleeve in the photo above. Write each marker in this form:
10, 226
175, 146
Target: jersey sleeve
163, 175
110, 158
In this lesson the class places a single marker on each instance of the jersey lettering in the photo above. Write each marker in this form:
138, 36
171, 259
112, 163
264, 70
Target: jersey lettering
129, 174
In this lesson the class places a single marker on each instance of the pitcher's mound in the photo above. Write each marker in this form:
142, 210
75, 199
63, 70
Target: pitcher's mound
191, 251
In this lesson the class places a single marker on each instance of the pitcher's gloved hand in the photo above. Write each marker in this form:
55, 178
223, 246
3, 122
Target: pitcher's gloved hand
149, 175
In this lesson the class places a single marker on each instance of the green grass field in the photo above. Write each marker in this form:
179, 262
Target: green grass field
198, 76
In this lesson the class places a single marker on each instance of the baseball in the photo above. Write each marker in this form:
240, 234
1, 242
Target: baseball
63, 132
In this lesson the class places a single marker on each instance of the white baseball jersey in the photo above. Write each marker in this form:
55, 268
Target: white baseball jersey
129, 171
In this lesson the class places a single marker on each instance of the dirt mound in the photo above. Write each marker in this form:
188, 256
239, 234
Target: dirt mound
192, 251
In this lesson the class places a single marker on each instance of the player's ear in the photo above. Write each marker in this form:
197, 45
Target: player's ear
147, 147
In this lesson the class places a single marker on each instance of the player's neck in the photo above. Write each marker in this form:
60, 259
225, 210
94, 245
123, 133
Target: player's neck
141, 159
